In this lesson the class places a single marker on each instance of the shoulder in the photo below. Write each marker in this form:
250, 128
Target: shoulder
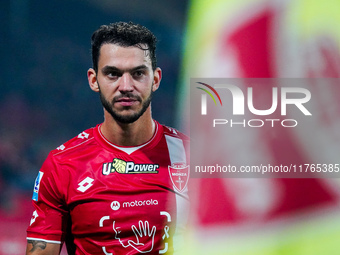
77, 143
67, 154
178, 145
169, 131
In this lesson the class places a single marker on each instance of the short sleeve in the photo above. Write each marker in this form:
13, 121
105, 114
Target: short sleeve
50, 216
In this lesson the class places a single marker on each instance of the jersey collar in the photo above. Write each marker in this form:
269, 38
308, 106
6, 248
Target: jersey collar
128, 149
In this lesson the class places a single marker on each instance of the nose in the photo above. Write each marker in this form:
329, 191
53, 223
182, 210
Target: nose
126, 83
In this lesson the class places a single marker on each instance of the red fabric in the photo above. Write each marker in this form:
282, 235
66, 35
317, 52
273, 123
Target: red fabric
108, 209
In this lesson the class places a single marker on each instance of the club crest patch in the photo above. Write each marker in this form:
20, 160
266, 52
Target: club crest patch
179, 175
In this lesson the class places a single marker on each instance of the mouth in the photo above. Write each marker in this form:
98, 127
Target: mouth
126, 101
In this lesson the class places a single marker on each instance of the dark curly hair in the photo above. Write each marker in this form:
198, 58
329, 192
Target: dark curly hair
123, 34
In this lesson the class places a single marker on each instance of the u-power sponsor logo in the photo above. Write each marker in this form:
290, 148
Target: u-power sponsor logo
128, 167
289, 96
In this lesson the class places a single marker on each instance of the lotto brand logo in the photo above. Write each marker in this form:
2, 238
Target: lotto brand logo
34, 217
61, 147
83, 135
85, 184
128, 167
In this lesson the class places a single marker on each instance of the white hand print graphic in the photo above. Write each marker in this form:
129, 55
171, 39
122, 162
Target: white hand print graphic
143, 236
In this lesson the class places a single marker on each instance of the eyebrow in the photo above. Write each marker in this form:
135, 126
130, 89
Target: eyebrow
107, 69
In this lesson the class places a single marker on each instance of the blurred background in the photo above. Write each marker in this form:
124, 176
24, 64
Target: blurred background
45, 100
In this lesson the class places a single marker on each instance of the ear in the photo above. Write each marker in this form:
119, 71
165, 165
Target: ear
157, 77
92, 78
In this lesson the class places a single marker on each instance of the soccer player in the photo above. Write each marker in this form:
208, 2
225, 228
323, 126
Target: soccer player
120, 187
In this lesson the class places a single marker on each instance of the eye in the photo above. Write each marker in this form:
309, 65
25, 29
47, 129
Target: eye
139, 73
113, 74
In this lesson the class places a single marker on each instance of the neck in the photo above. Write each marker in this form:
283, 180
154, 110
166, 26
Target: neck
132, 134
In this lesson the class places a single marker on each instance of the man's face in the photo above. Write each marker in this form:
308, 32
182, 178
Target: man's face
125, 81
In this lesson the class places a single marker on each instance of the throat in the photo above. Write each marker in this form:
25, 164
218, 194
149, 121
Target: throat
133, 134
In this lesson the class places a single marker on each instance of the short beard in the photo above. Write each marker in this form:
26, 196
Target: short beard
125, 119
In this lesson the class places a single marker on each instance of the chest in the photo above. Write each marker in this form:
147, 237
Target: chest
116, 192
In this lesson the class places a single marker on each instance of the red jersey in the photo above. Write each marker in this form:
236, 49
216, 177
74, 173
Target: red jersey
111, 199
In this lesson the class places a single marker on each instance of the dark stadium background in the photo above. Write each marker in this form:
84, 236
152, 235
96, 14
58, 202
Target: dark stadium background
44, 96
